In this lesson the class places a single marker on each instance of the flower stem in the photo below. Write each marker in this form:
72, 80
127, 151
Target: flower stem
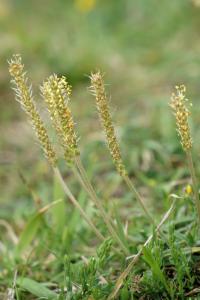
90, 190
194, 182
76, 204
138, 197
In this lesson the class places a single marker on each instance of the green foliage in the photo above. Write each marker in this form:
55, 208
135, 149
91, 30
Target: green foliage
155, 263
172, 267
88, 274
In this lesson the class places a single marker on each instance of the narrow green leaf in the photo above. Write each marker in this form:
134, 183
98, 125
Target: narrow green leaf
36, 288
32, 227
120, 228
151, 261
28, 233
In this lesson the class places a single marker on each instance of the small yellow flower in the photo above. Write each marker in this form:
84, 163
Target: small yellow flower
188, 189
85, 5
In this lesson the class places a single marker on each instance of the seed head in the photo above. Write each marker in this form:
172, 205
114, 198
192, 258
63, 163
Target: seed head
98, 89
56, 93
181, 112
24, 96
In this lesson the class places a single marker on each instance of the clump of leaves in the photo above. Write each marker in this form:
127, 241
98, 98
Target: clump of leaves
88, 278
170, 268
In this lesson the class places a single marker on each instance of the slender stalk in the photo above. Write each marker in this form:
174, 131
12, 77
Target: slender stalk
80, 179
194, 181
76, 204
123, 276
87, 185
78, 176
138, 197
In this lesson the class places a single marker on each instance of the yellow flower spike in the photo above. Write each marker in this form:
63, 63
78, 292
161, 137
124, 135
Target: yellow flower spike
56, 92
98, 89
24, 96
181, 112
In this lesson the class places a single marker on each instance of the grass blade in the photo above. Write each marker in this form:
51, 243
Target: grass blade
36, 288
31, 228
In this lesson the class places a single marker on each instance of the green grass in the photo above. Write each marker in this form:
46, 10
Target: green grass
145, 49
49, 261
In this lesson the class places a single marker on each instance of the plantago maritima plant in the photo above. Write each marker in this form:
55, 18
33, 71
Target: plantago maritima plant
24, 96
181, 112
98, 90
56, 92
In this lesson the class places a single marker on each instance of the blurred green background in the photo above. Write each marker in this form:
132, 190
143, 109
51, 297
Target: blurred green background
144, 47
